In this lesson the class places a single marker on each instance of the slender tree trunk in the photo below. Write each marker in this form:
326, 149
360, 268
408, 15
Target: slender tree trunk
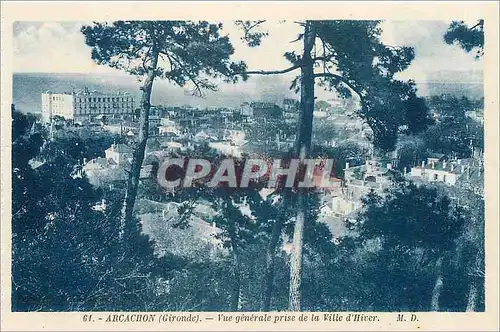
302, 150
438, 286
306, 107
235, 294
270, 263
267, 288
472, 297
139, 151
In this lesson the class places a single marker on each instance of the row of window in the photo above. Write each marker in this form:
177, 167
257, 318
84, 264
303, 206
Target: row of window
78, 106
102, 99
58, 98
58, 111
108, 111
95, 99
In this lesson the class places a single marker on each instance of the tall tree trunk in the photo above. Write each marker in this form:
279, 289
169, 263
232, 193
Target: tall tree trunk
472, 297
302, 150
267, 287
139, 151
438, 286
236, 290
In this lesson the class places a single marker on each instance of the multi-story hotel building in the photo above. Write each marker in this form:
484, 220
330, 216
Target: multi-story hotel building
85, 105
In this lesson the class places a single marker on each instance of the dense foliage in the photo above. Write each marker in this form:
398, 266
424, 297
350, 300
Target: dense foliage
411, 247
468, 38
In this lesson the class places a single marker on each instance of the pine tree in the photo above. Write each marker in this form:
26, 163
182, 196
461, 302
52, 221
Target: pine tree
182, 52
346, 56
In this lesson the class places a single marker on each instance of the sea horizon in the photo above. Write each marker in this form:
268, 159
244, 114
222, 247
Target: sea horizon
28, 87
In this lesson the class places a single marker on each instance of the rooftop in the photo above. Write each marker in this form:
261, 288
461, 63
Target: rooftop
450, 167
120, 148
89, 93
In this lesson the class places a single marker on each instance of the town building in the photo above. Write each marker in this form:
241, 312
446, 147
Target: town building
260, 112
168, 126
448, 172
246, 110
86, 105
119, 153
291, 110
475, 115
235, 136
358, 182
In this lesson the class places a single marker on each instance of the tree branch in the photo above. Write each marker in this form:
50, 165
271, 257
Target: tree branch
297, 39
343, 80
254, 25
479, 23
188, 72
270, 72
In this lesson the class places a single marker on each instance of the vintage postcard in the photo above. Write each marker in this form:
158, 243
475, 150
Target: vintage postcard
249, 166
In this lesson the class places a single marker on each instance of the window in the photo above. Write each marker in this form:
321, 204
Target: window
435, 177
444, 178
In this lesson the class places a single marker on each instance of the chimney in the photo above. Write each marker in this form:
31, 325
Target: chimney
452, 167
389, 165
444, 164
462, 169
459, 161
346, 165
423, 164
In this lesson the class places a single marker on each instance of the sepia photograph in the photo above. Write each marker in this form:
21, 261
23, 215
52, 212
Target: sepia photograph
247, 169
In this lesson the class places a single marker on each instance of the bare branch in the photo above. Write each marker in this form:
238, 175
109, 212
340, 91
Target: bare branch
271, 72
297, 39
343, 80
479, 23
198, 91
257, 23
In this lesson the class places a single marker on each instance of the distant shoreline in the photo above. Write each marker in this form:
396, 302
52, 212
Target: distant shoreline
27, 89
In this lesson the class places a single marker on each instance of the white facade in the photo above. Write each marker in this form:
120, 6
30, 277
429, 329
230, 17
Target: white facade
246, 110
57, 104
86, 104
226, 149
237, 137
446, 172
119, 153
167, 126
475, 115
344, 207
359, 181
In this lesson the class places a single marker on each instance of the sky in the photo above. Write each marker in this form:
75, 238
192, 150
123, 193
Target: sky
59, 47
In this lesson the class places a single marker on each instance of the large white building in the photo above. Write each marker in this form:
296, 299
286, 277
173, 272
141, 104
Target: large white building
85, 105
